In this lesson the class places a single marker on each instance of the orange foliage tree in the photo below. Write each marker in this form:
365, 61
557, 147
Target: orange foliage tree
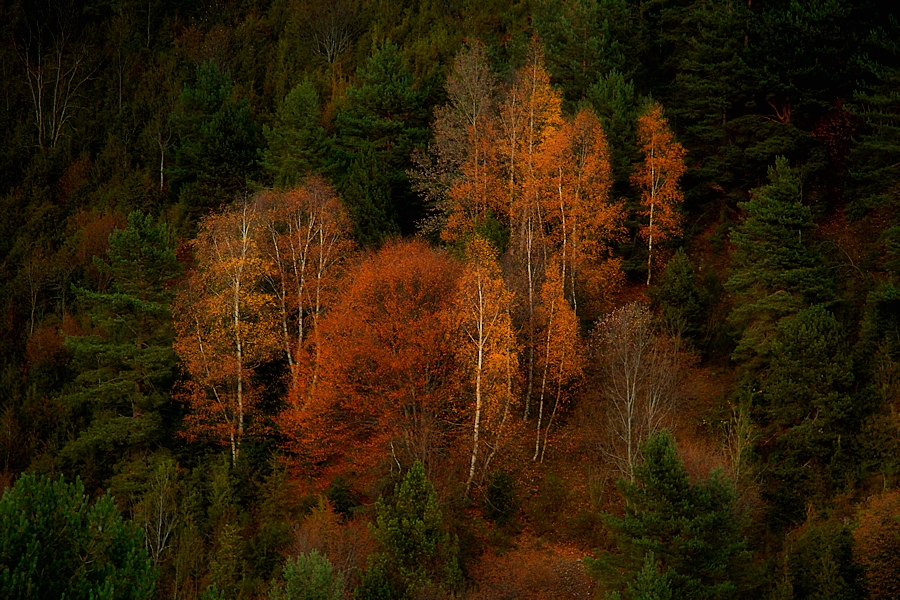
657, 177
581, 219
305, 235
389, 378
460, 174
224, 325
529, 114
488, 345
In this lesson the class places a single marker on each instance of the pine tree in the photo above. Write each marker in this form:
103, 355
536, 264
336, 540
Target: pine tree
55, 544
776, 271
691, 529
367, 193
296, 139
416, 550
126, 366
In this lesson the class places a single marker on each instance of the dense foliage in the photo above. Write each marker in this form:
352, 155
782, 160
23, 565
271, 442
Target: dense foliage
346, 298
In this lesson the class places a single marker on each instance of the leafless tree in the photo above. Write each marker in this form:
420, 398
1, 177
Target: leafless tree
640, 375
56, 67
331, 26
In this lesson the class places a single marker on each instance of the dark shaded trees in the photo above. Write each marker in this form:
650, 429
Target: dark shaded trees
691, 529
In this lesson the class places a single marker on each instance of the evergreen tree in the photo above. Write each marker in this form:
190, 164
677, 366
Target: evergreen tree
366, 191
308, 577
218, 141
416, 551
295, 139
618, 105
684, 301
125, 367
810, 419
55, 544
583, 38
776, 271
386, 113
692, 529
875, 161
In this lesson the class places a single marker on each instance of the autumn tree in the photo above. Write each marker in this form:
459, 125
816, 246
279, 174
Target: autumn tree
877, 545
640, 377
657, 178
529, 113
488, 345
581, 219
225, 325
389, 377
305, 234
561, 359
459, 175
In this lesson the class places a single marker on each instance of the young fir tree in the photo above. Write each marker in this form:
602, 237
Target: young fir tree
416, 551
218, 140
367, 194
126, 364
691, 528
684, 301
776, 270
385, 114
308, 577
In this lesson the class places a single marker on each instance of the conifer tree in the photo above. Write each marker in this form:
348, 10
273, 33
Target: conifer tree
416, 551
296, 139
776, 271
126, 365
692, 529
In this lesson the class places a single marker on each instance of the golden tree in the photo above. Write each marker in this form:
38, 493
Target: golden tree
305, 236
488, 346
581, 219
657, 178
224, 326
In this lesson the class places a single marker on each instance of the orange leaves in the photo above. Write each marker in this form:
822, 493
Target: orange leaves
388, 374
657, 177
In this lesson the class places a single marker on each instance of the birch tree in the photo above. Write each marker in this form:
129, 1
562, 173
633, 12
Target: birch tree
640, 378
657, 178
488, 344
225, 327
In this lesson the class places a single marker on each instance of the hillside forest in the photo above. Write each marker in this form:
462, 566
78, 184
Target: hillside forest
419, 299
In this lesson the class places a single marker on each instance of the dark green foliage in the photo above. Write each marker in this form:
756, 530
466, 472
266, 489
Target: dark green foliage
684, 301
691, 529
500, 501
55, 544
776, 270
295, 139
416, 551
367, 193
308, 577
125, 368
617, 105
385, 117
875, 161
218, 141
810, 418
582, 39
817, 563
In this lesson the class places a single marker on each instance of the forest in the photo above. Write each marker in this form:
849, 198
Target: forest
432, 299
